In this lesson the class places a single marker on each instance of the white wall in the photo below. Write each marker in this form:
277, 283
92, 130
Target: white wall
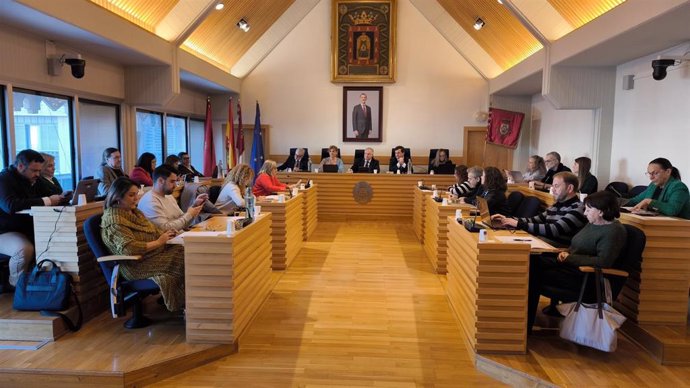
436, 94
570, 132
651, 120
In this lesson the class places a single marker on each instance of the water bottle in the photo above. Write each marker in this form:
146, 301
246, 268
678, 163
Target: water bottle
409, 166
220, 169
309, 164
249, 203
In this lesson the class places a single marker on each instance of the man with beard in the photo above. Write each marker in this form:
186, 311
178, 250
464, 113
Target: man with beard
159, 206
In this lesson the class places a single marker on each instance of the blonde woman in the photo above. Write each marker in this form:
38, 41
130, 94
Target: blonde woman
267, 182
231, 196
333, 159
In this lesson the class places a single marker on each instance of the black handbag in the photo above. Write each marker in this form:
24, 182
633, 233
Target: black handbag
47, 291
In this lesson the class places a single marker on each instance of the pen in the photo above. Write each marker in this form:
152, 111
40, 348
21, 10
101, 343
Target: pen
522, 239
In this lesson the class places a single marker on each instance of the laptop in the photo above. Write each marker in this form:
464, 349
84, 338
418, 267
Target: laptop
485, 215
640, 212
330, 168
516, 176
88, 187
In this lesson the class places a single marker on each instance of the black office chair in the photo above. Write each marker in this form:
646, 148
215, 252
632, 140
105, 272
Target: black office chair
529, 207
123, 293
618, 188
324, 153
359, 154
432, 153
636, 190
4, 273
213, 193
513, 203
629, 261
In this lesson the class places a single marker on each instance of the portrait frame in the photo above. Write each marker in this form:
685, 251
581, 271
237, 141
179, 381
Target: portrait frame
352, 108
363, 41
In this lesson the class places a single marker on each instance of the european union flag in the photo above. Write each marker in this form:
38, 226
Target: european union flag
257, 158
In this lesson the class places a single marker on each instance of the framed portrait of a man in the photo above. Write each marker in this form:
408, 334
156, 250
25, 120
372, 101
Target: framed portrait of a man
362, 113
363, 41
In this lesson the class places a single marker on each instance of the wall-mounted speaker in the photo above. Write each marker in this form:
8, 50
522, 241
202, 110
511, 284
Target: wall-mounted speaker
628, 82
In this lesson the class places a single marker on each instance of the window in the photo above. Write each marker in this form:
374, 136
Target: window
43, 122
150, 134
196, 143
175, 134
99, 126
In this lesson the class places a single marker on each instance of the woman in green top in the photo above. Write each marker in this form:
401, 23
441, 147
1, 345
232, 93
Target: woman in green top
125, 231
666, 193
598, 244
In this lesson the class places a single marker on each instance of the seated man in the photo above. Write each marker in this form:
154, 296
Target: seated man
161, 208
297, 162
399, 164
185, 167
366, 164
18, 191
553, 167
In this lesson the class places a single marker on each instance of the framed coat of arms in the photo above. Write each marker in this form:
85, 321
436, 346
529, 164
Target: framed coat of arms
363, 41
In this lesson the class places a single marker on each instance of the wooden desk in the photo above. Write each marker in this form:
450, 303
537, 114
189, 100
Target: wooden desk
545, 198
487, 289
436, 231
287, 230
391, 195
226, 280
310, 208
659, 294
69, 249
418, 212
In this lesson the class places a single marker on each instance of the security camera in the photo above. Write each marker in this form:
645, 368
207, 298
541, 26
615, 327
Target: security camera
77, 65
659, 66
75, 62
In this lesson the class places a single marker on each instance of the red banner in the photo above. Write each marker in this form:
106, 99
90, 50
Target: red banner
504, 127
209, 151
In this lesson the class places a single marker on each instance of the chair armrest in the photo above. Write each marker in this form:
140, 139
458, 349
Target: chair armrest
606, 271
117, 258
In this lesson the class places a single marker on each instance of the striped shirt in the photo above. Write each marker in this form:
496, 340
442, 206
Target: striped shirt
462, 190
558, 223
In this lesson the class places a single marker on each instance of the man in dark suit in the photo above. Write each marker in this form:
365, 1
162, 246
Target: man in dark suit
298, 162
361, 118
554, 166
366, 164
398, 164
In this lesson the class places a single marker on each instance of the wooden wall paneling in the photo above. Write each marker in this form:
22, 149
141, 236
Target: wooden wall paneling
287, 231
436, 231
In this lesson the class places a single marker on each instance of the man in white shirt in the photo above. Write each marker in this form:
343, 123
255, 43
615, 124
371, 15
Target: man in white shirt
161, 208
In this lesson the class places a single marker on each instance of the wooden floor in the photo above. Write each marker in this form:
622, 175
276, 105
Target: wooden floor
352, 310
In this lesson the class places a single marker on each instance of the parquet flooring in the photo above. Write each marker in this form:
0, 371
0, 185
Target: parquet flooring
359, 306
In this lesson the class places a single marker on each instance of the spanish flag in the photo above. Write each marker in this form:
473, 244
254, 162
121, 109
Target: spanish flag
230, 138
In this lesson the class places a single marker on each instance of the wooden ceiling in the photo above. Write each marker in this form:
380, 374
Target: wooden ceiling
216, 39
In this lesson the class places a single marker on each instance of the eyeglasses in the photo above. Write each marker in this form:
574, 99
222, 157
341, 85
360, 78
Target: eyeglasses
652, 173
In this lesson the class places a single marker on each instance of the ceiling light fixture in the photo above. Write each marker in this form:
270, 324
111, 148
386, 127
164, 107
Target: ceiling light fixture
478, 24
500, 2
220, 6
243, 25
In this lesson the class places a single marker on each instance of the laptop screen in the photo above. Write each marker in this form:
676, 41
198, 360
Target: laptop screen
330, 168
483, 208
88, 187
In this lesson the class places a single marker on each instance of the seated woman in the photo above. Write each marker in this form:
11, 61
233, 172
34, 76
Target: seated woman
109, 170
462, 185
125, 231
47, 185
536, 169
666, 193
267, 182
597, 244
231, 196
493, 189
143, 170
441, 164
588, 182
333, 159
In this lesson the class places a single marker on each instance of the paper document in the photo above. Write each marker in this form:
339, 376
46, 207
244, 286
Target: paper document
179, 239
537, 244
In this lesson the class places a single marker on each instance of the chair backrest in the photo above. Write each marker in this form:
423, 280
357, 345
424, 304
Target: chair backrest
408, 155
513, 202
618, 188
92, 232
529, 207
433, 151
324, 153
359, 154
629, 259
636, 190
213, 193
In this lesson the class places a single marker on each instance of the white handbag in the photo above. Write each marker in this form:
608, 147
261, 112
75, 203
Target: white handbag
592, 325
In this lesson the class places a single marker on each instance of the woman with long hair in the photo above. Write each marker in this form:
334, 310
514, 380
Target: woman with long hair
493, 189
267, 182
47, 184
441, 164
126, 231
588, 182
666, 193
536, 169
142, 172
231, 196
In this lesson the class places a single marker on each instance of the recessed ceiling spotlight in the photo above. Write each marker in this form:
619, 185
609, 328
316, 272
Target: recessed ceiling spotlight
478, 24
220, 6
243, 25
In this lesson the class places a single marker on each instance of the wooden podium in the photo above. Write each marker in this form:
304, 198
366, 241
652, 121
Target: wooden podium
287, 230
